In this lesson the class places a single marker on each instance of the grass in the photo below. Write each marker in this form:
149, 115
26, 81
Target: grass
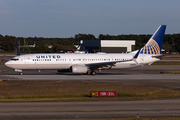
2, 63
170, 72
77, 91
166, 63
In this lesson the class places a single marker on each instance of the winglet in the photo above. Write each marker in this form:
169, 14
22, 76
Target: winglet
18, 51
86, 51
137, 54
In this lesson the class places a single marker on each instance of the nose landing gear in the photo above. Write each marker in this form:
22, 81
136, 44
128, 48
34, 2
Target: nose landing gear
17, 70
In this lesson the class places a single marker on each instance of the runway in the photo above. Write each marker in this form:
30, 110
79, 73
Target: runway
98, 77
96, 109
141, 73
147, 75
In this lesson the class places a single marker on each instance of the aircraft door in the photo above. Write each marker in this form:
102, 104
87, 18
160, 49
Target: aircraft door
26, 61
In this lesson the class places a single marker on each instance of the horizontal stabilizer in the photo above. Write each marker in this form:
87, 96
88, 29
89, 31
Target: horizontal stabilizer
157, 56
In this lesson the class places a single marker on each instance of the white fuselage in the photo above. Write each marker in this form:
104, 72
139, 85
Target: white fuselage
65, 61
82, 63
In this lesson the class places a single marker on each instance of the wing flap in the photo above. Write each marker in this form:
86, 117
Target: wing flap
103, 64
110, 63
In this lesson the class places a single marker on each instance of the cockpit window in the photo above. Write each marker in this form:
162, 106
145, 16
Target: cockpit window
15, 59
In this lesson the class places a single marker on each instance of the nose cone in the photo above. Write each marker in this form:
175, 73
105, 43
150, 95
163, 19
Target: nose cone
7, 63
10, 64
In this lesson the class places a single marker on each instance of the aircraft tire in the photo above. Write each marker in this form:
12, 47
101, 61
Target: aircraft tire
93, 73
20, 73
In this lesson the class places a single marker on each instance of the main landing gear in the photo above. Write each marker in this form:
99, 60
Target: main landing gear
20, 73
93, 73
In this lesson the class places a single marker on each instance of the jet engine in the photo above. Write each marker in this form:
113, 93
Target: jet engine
78, 69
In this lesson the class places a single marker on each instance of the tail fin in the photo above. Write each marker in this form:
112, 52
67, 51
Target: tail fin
18, 51
153, 46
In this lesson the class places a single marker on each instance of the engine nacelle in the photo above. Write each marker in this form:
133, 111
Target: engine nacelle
78, 69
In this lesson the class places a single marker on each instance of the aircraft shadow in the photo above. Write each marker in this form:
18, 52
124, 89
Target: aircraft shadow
95, 75
70, 74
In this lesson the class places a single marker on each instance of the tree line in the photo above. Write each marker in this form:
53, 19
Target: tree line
171, 42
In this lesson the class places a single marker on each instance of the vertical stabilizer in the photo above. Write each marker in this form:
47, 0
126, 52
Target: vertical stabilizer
153, 46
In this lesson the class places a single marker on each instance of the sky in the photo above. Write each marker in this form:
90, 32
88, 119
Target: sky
65, 18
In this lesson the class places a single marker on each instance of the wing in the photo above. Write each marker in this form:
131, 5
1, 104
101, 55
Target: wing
94, 66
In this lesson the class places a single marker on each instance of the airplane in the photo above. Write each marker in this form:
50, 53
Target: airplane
83, 63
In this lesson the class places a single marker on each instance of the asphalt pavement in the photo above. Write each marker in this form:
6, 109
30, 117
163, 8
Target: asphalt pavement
90, 110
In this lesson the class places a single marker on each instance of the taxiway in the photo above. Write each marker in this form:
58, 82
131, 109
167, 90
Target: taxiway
147, 75
96, 109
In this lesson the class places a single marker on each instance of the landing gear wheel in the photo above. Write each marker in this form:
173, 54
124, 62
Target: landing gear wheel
93, 73
20, 73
